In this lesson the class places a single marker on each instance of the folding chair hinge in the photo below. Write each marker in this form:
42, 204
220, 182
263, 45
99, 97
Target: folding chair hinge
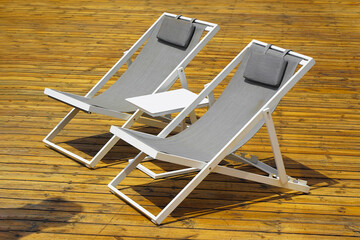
182, 77
211, 96
129, 61
274, 176
297, 181
290, 179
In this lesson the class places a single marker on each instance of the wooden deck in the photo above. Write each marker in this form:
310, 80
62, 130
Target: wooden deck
68, 45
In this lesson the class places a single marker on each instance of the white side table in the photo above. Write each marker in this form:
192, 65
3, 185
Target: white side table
159, 104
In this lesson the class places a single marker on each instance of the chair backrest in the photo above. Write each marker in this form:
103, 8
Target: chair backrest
236, 106
157, 59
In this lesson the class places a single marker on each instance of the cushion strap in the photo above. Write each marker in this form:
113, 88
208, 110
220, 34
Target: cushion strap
285, 52
267, 48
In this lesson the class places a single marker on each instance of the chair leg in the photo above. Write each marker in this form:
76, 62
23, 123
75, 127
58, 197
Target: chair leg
105, 149
211, 166
136, 116
205, 171
89, 163
120, 177
62, 124
280, 167
275, 146
173, 204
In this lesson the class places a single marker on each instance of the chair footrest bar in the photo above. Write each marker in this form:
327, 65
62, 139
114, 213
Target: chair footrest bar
67, 152
132, 203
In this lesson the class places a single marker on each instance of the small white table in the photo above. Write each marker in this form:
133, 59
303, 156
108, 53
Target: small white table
159, 104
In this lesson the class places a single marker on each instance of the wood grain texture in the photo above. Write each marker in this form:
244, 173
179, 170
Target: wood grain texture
68, 45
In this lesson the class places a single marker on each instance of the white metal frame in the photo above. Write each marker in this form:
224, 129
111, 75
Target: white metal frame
178, 72
276, 177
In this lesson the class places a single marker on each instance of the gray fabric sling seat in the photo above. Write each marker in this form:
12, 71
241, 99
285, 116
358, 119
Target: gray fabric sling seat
155, 62
237, 104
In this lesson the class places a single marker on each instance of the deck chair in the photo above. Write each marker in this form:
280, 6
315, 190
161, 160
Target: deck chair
168, 47
263, 77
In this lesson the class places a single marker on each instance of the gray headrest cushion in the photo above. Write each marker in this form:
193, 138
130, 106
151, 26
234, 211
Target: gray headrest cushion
176, 31
265, 68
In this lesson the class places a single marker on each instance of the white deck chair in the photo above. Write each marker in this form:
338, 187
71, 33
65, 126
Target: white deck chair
169, 45
241, 110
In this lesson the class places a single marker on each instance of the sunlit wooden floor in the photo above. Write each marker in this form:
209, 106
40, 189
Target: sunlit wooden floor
69, 45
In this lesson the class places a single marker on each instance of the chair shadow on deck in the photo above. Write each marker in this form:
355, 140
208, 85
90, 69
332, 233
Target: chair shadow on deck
89, 146
219, 192
35, 218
